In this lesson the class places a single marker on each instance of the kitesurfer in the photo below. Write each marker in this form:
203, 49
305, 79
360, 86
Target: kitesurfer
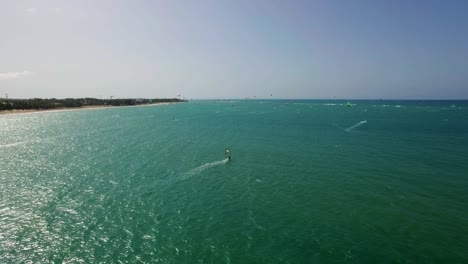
227, 153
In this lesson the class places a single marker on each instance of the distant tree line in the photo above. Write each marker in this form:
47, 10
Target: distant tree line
39, 104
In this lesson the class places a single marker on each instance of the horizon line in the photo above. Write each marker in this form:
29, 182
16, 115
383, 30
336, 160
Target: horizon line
251, 99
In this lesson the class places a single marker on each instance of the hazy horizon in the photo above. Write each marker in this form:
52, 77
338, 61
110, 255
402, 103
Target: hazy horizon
244, 99
373, 50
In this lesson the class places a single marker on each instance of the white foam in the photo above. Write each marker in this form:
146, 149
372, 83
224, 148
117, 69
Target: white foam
206, 166
12, 144
356, 125
18, 143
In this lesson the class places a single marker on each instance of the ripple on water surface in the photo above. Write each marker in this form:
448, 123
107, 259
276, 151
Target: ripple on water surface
309, 182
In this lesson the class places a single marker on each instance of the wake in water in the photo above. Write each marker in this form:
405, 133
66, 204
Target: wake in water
355, 125
205, 166
197, 170
18, 143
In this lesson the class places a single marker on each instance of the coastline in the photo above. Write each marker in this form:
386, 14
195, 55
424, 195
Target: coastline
67, 109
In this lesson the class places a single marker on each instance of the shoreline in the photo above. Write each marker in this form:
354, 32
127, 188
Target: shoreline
68, 109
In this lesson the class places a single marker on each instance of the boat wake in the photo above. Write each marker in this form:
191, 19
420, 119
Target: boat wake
355, 125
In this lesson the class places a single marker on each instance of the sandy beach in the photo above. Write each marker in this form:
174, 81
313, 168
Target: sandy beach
66, 109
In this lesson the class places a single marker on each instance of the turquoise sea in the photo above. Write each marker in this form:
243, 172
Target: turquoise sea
310, 181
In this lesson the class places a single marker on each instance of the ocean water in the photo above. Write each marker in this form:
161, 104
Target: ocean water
309, 182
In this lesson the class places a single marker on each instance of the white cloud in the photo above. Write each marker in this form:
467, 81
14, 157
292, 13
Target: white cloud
58, 10
31, 10
14, 75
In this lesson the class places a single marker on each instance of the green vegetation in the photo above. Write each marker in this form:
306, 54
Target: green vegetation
42, 104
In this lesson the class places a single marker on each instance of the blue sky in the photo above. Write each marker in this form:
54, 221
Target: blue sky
235, 49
